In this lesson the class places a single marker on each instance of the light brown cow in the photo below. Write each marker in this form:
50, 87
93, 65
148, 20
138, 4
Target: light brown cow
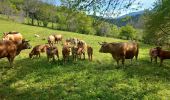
37, 50
11, 49
120, 51
90, 53
51, 52
58, 38
13, 36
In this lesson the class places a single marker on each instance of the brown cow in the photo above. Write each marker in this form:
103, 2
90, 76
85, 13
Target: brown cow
58, 38
120, 51
51, 40
74, 50
66, 52
162, 54
153, 54
11, 49
37, 50
51, 51
13, 36
90, 53
82, 47
80, 52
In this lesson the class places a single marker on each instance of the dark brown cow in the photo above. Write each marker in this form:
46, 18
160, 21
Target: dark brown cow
66, 52
37, 50
13, 36
120, 51
11, 49
51, 52
58, 38
153, 54
162, 54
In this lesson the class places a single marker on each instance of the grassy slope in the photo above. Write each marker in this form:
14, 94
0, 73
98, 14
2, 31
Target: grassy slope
100, 79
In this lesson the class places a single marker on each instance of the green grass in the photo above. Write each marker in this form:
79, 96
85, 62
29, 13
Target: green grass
101, 79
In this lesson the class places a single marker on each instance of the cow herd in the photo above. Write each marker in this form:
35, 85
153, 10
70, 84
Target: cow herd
13, 43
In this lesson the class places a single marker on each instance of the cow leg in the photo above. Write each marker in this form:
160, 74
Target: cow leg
68, 58
151, 59
131, 61
11, 59
123, 61
84, 55
156, 60
161, 62
57, 56
39, 55
91, 57
117, 62
53, 58
48, 59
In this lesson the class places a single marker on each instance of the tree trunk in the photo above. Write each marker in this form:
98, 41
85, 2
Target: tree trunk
52, 25
32, 21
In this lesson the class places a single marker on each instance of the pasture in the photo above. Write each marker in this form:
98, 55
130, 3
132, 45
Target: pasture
100, 79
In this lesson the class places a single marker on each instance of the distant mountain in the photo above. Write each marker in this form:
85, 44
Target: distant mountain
132, 14
134, 19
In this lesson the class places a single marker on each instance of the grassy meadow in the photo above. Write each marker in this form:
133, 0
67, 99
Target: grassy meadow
36, 79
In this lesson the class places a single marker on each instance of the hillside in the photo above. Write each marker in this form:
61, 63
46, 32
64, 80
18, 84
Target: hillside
133, 18
34, 79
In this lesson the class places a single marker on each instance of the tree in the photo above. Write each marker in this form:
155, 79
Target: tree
31, 7
128, 32
7, 8
103, 28
103, 7
114, 31
157, 24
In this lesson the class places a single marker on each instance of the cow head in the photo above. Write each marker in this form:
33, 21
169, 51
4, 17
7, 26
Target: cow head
30, 55
25, 44
5, 36
104, 47
158, 50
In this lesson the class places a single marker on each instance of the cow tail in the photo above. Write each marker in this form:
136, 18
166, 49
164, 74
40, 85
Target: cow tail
137, 51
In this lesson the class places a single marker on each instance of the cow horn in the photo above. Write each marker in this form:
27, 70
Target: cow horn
100, 43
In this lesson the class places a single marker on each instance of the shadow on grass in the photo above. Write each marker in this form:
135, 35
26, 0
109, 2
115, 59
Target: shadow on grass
81, 80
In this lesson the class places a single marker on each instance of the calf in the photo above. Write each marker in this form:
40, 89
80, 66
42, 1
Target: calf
13, 36
162, 54
74, 50
153, 54
51, 40
58, 38
80, 52
66, 52
90, 53
11, 49
51, 51
37, 50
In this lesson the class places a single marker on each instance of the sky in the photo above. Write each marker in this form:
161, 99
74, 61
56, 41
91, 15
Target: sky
146, 4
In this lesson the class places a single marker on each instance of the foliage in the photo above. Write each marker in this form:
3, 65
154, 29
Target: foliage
128, 32
157, 23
